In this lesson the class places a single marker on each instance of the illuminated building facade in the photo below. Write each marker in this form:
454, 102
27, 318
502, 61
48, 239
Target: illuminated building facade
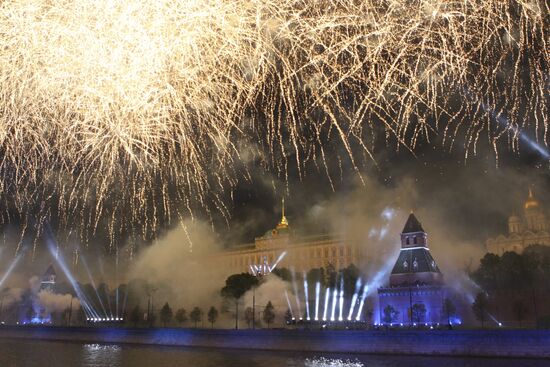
302, 253
532, 228
48, 280
416, 290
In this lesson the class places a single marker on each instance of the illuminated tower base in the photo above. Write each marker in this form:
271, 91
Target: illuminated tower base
416, 290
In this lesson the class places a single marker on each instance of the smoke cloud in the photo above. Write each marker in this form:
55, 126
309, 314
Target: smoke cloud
179, 266
50, 302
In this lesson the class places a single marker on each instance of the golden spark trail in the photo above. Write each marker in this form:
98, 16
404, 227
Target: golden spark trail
125, 114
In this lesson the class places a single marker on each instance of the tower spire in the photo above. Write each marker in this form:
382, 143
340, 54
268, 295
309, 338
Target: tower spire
284, 222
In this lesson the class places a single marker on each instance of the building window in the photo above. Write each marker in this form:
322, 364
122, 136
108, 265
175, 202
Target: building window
341, 251
414, 240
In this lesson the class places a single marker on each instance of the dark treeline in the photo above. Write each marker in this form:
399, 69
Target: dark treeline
515, 288
513, 271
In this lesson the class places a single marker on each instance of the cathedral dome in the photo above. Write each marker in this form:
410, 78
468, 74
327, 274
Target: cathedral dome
531, 202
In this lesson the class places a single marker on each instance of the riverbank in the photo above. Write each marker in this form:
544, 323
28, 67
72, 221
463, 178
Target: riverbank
474, 343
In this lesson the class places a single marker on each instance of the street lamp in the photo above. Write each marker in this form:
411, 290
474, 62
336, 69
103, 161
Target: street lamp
259, 271
150, 306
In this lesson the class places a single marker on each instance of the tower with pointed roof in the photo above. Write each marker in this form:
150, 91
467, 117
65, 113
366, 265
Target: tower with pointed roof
416, 289
48, 279
415, 264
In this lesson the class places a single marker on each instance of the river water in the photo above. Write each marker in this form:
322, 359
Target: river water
30, 353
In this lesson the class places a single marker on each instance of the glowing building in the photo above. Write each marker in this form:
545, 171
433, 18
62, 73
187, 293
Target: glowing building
302, 253
48, 279
532, 228
416, 290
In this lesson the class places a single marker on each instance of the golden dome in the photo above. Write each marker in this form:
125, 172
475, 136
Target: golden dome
283, 223
531, 202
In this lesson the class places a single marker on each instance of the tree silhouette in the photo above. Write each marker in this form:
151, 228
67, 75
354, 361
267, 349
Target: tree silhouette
269, 314
165, 314
283, 273
248, 316
418, 312
196, 315
181, 316
389, 314
212, 315
235, 287
135, 315
479, 307
369, 314
520, 310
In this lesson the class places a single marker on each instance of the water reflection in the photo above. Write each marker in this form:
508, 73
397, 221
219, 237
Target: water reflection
38, 353
330, 362
101, 355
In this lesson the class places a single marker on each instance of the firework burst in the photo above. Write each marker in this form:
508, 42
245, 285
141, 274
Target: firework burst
120, 115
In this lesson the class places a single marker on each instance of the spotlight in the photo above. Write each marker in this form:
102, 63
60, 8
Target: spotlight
327, 295
306, 295
317, 295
